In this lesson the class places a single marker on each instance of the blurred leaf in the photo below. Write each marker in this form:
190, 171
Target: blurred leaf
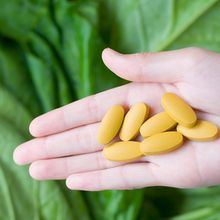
42, 200
204, 32
82, 48
146, 25
117, 205
15, 76
50, 55
19, 17
8, 105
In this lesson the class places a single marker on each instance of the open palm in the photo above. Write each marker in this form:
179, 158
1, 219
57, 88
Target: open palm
66, 146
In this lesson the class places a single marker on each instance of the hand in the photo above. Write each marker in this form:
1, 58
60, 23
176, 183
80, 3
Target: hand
65, 146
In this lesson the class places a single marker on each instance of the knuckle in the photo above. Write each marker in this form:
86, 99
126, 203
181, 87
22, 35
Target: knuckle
101, 162
195, 50
145, 55
82, 142
91, 140
92, 106
46, 147
194, 55
69, 166
84, 138
64, 117
142, 60
99, 180
124, 177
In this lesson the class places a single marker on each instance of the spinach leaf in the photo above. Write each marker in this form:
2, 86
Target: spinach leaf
15, 76
21, 196
50, 55
146, 25
81, 50
18, 17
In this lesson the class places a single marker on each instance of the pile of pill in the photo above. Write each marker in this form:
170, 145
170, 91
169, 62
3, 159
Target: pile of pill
161, 133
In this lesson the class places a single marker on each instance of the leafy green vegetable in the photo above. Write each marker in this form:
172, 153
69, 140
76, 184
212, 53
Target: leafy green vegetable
15, 76
42, 200
50, 55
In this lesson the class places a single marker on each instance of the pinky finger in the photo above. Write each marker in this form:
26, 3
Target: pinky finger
129, 176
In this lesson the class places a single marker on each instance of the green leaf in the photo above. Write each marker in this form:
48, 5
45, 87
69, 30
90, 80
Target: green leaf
44, 82
82, 45
42, 200
12, 111
50, 55
14, 75
47, 73
19, 17
204, 32
142, 26
117, 205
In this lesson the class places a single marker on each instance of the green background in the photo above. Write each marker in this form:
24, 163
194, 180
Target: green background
50, 55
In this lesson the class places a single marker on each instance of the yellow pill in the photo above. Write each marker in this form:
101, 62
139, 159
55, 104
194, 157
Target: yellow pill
122, 151
178, 110
158, 123
161, 143
202, 131
133, 121
110, 124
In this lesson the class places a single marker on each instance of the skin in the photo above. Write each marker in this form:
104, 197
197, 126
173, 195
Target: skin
65, 145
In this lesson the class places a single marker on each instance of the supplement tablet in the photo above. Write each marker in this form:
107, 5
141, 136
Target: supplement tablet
158, 123
133, 121
122, 151
178, 110
202, 131
161, 143
110, 124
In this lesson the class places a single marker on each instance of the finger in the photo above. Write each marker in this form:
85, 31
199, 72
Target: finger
75, 141
128, 176
63, 167
195, 164
167, 66
209, 117
91, 109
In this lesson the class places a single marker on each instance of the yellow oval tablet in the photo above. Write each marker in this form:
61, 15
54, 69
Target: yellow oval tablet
110, 124
202, 131
122, 151
158, 123
161, 143
178, 110
133, 121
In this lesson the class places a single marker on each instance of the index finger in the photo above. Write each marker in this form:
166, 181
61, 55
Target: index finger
91, 109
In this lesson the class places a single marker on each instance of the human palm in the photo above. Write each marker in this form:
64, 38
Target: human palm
66, 146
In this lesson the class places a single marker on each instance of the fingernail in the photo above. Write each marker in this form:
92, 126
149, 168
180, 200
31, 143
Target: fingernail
18, 155
111, 52
74, 182
33, 129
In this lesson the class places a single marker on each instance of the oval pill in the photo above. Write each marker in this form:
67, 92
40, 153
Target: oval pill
122, 151
161, 143
202, 131
133, 121
110, 124
178, 110
156, 124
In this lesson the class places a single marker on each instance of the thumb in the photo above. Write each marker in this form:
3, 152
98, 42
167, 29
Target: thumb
167, 66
